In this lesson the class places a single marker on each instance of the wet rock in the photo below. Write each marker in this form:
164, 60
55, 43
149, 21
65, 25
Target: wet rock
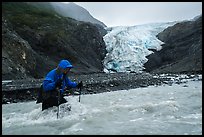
111, 85
5, 100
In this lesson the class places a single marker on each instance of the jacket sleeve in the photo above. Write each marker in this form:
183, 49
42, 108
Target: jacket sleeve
49, 82
70, 83
48, 85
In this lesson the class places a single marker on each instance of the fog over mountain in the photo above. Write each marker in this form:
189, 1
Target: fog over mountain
75, 11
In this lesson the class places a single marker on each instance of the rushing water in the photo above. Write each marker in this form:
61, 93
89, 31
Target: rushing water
160, 110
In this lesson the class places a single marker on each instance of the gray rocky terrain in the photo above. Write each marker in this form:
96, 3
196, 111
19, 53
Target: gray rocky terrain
25, 90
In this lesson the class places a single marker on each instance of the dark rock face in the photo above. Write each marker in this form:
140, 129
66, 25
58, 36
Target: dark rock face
182, 51
18, 58
33, 44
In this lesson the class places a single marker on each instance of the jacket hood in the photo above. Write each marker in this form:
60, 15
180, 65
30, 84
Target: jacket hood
65, 64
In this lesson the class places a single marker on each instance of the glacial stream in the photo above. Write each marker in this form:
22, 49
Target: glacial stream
156, 110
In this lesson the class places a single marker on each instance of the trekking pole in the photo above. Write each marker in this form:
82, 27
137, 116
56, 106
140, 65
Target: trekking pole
59, 94
80, 91
79, 94
58, 103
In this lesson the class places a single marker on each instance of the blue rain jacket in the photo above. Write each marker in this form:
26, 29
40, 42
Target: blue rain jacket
51, 79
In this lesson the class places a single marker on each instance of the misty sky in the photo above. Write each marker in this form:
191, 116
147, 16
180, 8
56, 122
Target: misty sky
134, 13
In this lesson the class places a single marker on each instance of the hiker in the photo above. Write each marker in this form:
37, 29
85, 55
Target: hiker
54, 84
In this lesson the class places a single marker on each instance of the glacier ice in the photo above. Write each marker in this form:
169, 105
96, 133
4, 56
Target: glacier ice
128, 46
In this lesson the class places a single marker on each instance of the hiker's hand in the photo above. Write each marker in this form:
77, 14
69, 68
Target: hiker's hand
80, 85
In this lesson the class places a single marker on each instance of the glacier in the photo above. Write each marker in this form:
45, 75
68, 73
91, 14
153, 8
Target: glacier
128, 46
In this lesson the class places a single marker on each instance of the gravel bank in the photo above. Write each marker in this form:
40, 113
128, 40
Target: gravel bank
98, 83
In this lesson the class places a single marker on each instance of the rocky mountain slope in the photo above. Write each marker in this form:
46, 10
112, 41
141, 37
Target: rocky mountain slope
182, 51
34, 40
71, 10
